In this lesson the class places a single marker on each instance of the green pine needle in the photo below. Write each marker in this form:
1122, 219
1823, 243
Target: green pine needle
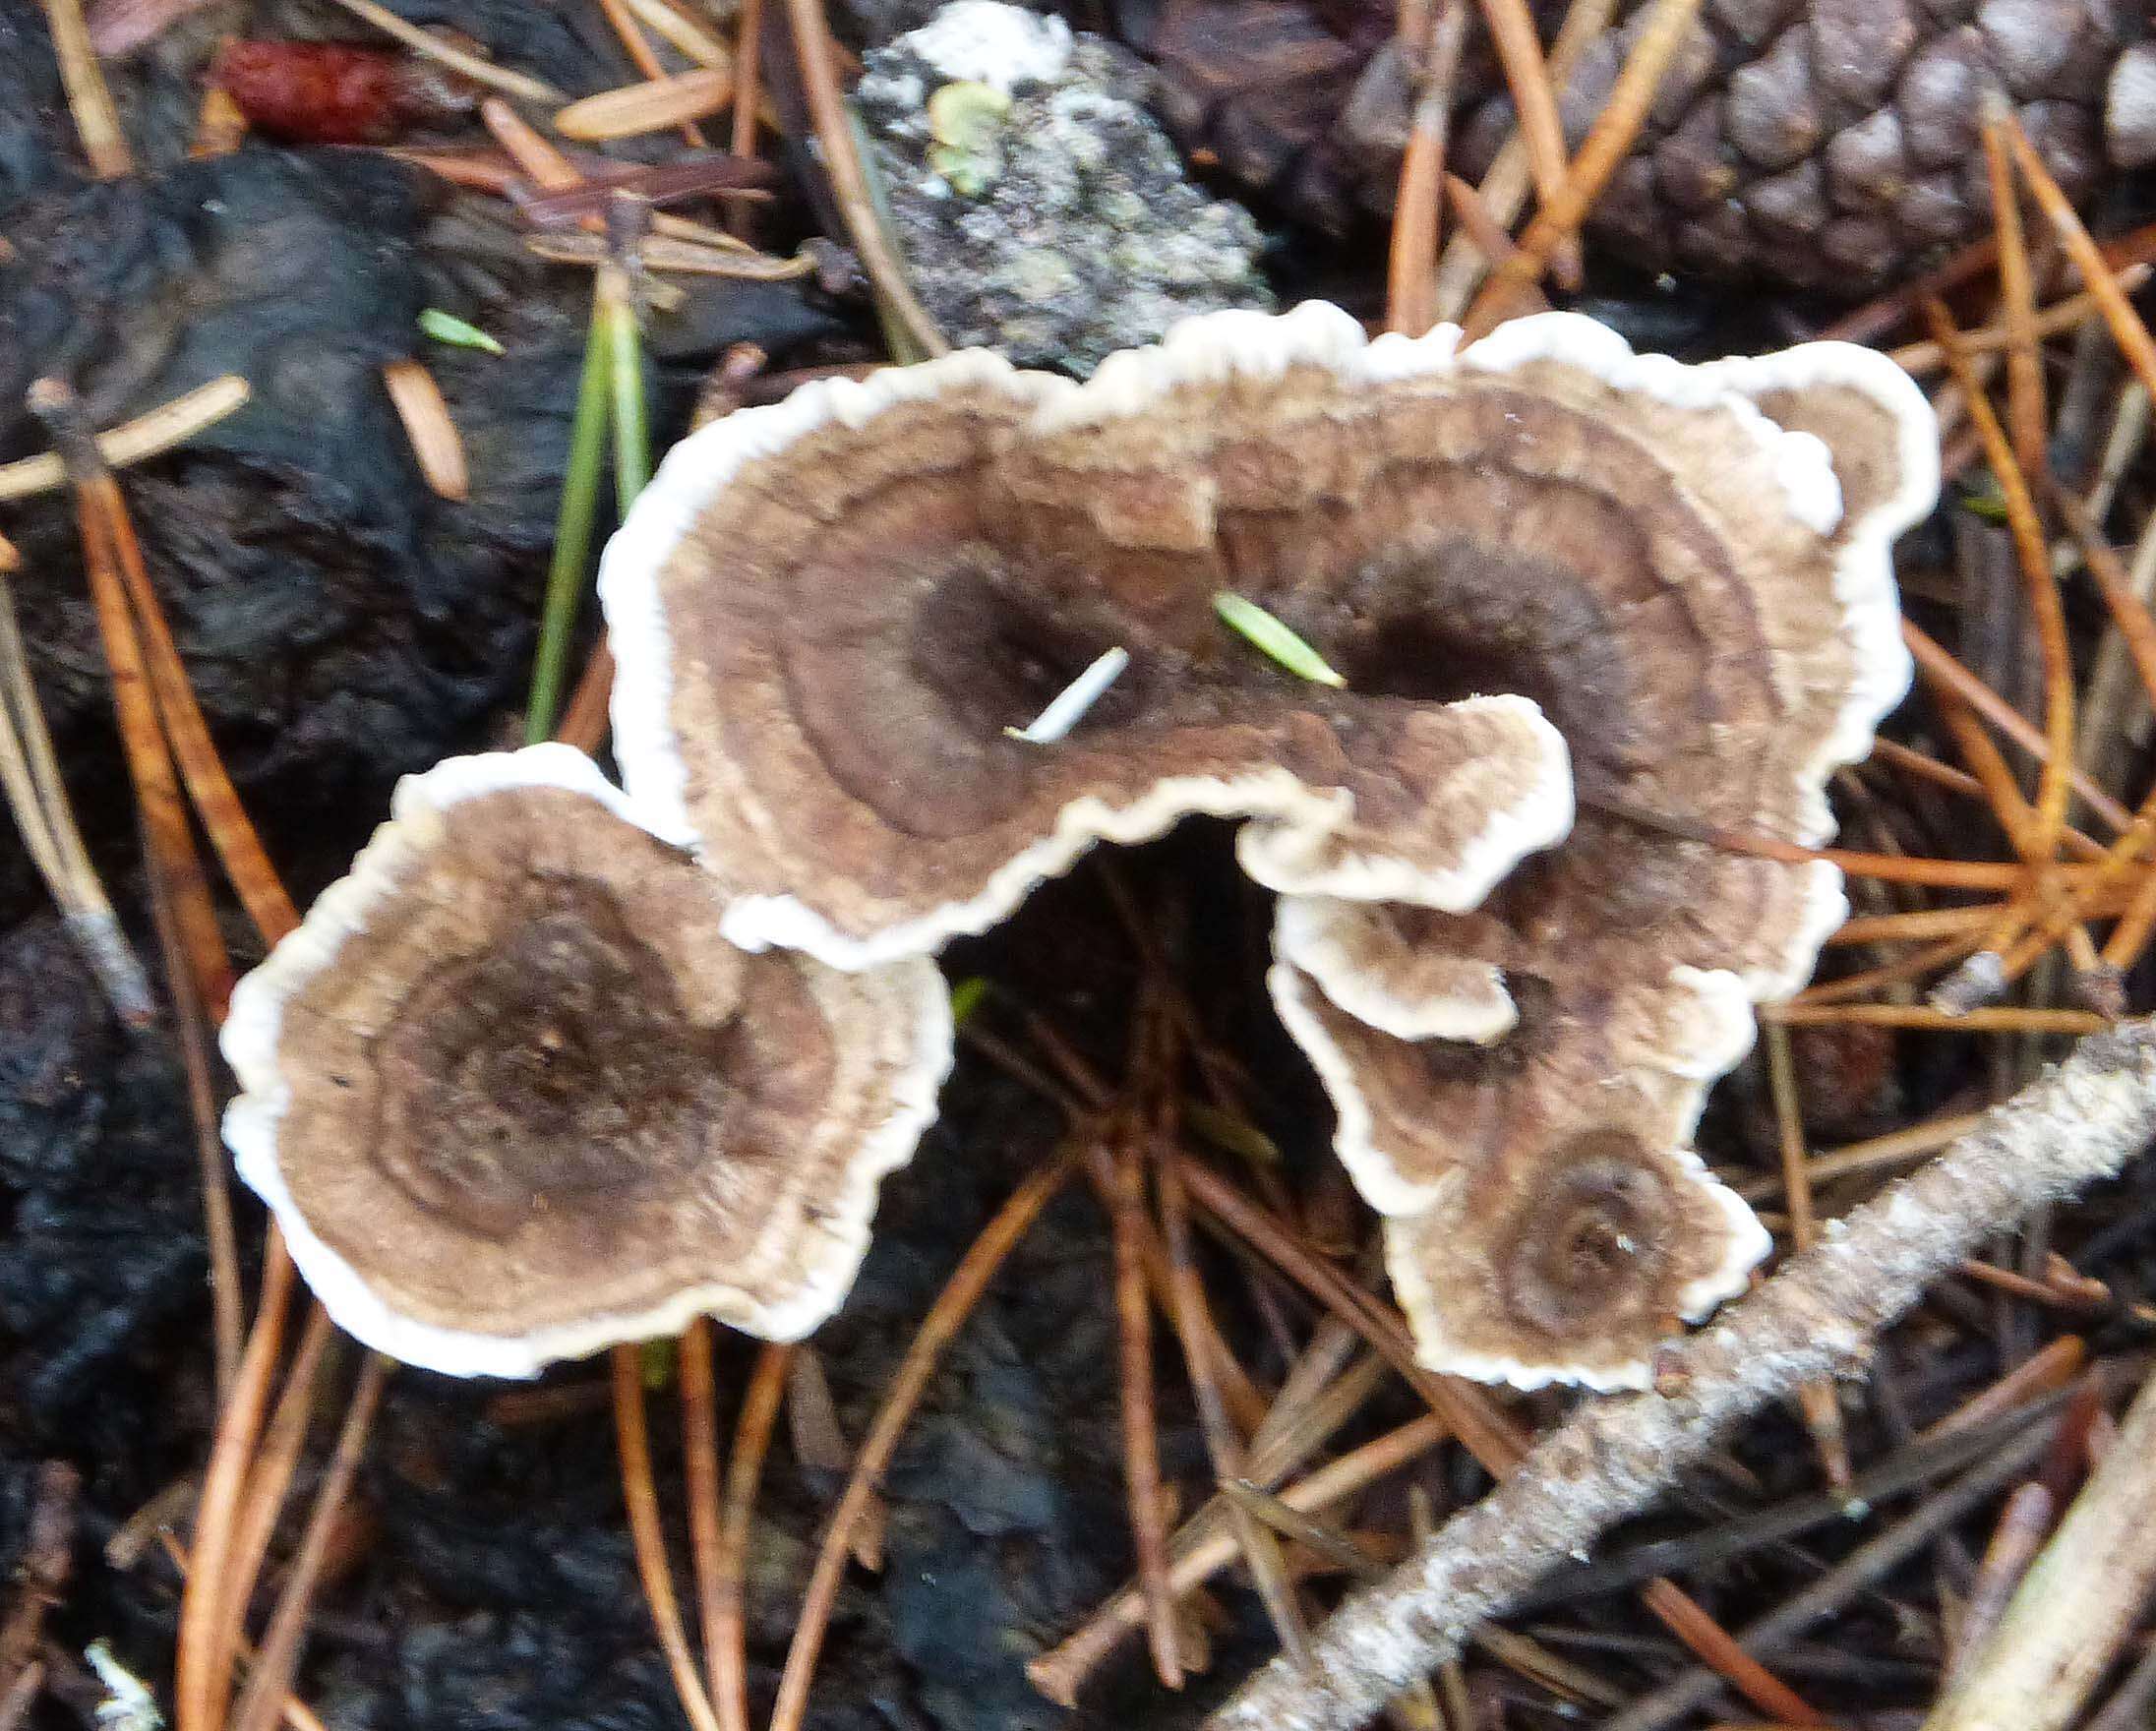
573, 526
450, 328
1261, 628
612, 388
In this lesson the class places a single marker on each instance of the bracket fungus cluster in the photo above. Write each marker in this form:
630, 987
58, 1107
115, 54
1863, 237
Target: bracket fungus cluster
1584, 604
1586, 608
513, 1098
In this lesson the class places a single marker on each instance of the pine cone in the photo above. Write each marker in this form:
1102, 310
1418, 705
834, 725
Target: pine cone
1821, 143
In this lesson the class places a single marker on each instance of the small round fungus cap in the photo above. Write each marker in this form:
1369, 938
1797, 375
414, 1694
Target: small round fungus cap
1517, 1086
513, 1098
832, 615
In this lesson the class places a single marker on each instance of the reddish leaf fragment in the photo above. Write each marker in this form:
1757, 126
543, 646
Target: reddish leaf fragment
335, 92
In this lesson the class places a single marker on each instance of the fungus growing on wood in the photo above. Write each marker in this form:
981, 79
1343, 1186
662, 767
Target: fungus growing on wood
513, 1097
1517, 1086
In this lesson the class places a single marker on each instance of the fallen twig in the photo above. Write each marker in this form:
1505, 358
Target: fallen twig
2077, 1602
2084, 1121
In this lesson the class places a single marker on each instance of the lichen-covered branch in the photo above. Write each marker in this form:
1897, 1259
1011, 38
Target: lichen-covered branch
1613, 1457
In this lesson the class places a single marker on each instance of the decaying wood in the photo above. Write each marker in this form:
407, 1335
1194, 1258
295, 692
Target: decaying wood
1613, 1457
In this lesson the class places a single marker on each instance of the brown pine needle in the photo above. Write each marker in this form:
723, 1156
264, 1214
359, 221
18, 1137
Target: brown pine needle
227, 1321
1984, 1021
1716, 1649
1971, 874
237, 1533
2079, 1297
1876, 317
225, 817
2125, 323
2025, 412
274, 1460
548, 170
36, 793
1430, 36
2044, 1372
2137, 629
816, 56
2023, 1524
1141, 1434
748, 94
2023, 828
701, 1469
1847, 987
1503, 193
961, 1292
96, 121
2129, 613
1485, 1431
278, 1657
728, 1657
1939, 665
2056, 319
474, 66
1607, 145
1223, 1449
1062, 1671
1962, 782
1820, 1405
1878, 1154
437, 446
132, 442
202, 1662
214, 1602
682, 29
1533, 93
2130, 936
1245, 1405
687, 257
1327, 1541
169, 843
1914, 926
653, 107
2125, 853
298, 1715
1476, 220
584, 721
640, 1494
630, 34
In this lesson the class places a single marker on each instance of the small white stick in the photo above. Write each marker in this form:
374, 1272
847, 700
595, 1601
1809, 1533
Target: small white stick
1071, 704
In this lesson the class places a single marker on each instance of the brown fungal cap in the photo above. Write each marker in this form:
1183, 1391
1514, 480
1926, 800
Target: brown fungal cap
1518, 1086
1540, 563
829, 616
513, 1098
